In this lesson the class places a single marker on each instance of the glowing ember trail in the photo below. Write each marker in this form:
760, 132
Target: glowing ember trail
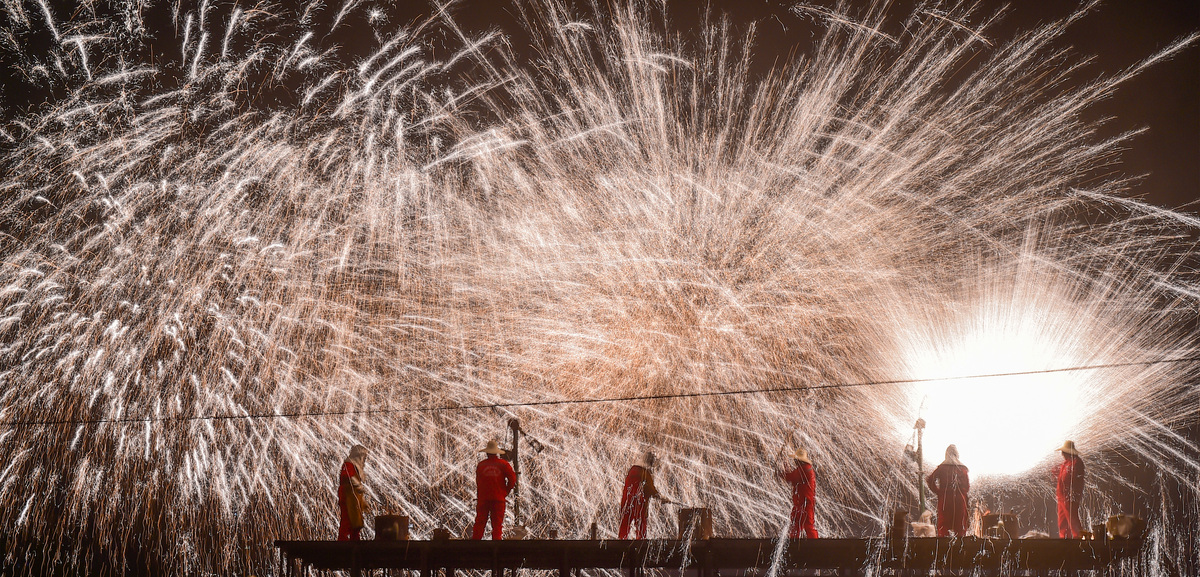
226, 262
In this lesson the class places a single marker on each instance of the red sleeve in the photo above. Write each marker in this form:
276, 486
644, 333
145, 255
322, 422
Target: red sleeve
795, 476
932, 481
510, 475
966, 480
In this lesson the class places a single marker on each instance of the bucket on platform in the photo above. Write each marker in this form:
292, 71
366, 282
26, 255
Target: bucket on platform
695, 523
391, 528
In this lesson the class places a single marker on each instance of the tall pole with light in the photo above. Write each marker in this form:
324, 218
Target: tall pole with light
513, 458
920, 427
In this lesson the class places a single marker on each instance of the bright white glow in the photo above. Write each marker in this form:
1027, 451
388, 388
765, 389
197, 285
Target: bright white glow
1002, 425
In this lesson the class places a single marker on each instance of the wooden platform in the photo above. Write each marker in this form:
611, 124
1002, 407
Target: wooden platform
913, 556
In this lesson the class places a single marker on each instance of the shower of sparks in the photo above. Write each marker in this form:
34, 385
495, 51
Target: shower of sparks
1023, 326
265, 218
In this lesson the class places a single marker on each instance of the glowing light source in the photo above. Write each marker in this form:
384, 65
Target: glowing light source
1004, 425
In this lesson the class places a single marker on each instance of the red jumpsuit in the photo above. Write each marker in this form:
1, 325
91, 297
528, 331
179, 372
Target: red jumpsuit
349, 511
635, 498
804, 494
494, 478
1069, 474
950, 483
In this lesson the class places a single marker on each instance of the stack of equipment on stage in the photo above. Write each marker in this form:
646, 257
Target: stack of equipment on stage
695, 523
391, 528
1125, 527
925, 527
1003, 526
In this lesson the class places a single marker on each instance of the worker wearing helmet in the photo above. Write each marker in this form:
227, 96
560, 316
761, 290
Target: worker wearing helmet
494, 479
949, 481
1069, 490
803, 480
635, 496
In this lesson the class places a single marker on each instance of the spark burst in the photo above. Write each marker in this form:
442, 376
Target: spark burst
265, 221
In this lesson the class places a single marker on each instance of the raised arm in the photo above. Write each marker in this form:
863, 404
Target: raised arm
354, 478
648, 486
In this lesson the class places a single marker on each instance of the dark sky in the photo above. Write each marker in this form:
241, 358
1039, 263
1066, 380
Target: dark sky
1165, 100
1120, 33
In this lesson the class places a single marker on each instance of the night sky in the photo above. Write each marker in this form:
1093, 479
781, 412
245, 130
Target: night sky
1164, 100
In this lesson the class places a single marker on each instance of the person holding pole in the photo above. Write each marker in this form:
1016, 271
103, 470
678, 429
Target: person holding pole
949, 481
1069, 491
635, 497
494, 479
803, 480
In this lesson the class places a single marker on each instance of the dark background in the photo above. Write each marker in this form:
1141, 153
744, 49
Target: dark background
1119, 33
1165, 100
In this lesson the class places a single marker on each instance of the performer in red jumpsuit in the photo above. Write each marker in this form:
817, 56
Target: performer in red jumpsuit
803, 480
1069, 475
635, 497
350, 495
494, 479
950, 483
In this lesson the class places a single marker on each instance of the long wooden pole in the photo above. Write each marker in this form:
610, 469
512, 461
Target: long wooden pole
920, 427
